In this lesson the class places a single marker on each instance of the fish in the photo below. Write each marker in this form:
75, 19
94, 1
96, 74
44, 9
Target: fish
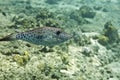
46, 36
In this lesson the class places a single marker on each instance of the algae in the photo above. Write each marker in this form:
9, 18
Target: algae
21, 59
103, 40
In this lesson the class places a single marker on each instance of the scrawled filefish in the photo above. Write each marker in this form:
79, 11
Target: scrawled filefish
47, 36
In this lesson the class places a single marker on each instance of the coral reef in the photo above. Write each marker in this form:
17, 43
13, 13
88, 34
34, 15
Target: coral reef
23, 21
86, 12
21, 59
103, 40
52, 1
110, 35
43, 17
47, 18
81, 58
82, 13
44, 14
111, 32
76, 16
50, 22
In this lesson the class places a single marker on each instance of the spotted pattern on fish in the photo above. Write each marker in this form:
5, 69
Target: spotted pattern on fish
47, 36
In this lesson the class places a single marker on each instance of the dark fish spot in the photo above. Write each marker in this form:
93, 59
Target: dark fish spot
58, 32
22, 34
26, 35
18, 36
33, 35
39, 37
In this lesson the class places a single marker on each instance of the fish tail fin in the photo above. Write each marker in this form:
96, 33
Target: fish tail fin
9, 37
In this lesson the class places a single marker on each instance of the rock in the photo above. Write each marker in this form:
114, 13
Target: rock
87, 12
86, 51
111, 32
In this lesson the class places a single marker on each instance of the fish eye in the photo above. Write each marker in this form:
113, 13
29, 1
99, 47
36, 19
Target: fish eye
58, 32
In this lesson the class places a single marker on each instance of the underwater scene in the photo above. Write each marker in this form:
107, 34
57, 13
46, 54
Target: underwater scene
59, 39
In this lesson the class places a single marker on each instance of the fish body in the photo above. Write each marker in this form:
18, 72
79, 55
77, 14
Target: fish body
47, 36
